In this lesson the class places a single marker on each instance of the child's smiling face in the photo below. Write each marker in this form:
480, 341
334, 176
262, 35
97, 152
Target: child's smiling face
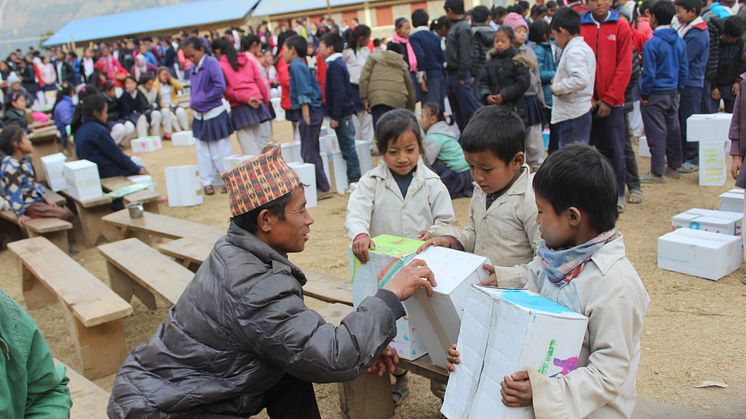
402, 153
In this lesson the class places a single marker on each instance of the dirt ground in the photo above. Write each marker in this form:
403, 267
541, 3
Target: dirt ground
694, 329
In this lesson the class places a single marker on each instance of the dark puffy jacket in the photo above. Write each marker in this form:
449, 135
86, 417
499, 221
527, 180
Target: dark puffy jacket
482, 41
714, 28
503, 75
459, 49
731, 63
238, 328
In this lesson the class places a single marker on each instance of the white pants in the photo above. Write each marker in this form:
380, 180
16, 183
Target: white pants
363, 123
174, 120
535, 153
210, 155
155, 124
250, 140
121, 133
635, 120
265, 132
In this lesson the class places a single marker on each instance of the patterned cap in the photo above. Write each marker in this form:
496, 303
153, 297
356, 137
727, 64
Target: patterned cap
259, 181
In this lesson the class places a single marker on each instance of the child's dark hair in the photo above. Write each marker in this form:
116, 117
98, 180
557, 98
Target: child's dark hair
538, 10
538, 31
734, 26
663, 12
567, 19
420, 18
689, 5
130, 77
437, 111
393, 124
497, 129
226, 48
299, 44
194, 42
480, 14
581, 177
282, 37
90, 99
145, 78
551, 4
10, 137
498, 12
334, 40
65, 89
507, 30
249, 41
645, 6
360, 32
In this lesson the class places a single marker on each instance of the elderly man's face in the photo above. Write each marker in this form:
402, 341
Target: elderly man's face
291, 234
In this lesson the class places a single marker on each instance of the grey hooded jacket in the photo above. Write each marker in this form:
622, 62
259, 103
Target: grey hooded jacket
237, 329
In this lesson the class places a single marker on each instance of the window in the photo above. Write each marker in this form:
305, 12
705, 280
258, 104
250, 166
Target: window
384, 16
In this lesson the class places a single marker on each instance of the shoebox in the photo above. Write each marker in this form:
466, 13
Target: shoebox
389, 256
437, 319
700, 253
720, 222
146, 144
363, 155
279, 112
732, 201
713, 166
642, 149
235, 160
291, 152
708, 127
182, 139
53, 166
335, 169
307, 174
144, 180
82, 180
505, 331
182, 184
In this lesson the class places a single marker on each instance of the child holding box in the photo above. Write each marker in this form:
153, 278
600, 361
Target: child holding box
582, 265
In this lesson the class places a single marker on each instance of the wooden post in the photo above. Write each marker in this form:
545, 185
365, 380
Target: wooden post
100, 348
58, 238
90, 221
125, 287
35, 293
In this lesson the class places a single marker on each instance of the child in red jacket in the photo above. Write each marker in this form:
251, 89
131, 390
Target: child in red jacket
609, 38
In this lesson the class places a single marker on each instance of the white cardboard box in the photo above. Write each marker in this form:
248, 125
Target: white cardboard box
279, 112
182, 139
291, 152
438, 319
329, 144
643, 150
721, 222
713, 167
732, 201
364, 156
505, 331
699, 253
335, 169
307, 174
146, 144
53, 166
143, 179
82, 179
235, 160
708, 127
390, 255
182, 184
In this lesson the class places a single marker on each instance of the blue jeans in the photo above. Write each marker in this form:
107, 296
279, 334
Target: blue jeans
346, 138
576, 130
436, 88
690, 103
461, 98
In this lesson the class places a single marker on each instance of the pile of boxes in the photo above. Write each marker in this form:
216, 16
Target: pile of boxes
53, 166
82, 180
711, 132
146, 144
732, 201
182, 184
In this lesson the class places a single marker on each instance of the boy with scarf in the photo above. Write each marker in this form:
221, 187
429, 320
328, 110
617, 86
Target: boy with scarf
582, 265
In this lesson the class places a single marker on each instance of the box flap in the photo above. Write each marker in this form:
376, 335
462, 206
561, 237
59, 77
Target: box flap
451, 267
395, 246
698, 237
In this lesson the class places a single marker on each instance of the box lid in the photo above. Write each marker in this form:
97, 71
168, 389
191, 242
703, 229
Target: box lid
395, 246
534, 303
727, 215
54, 158
701, 238
80, 164
451, 267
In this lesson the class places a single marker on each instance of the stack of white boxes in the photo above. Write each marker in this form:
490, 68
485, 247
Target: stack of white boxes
182, 184
307, 174
53, 166
711, 131
146, 144
82, 180
182, 139
505, 331
732, 201
720, 222
291, 152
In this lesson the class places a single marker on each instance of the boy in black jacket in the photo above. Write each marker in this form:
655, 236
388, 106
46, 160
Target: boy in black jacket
339, 102
730, 64
458, 64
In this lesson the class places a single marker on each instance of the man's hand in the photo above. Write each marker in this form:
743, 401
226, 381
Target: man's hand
410, 278
360, 247
736, 88
438, 241
23, 219
603, 110
715, 94
491, 280
735, 166
366, 106
495, 99
454, 358
254, 103
333, 124
423, 86
516, 390
386, 363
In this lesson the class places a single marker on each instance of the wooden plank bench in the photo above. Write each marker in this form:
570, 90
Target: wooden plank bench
136, 268
89, 400
160, 226
92, 311
53, 229
44, 141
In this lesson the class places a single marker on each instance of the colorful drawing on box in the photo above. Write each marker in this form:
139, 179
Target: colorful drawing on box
550, 354
568, 365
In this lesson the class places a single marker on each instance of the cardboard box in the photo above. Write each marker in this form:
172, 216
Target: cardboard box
364, 156
307, 174
335, 169
53, 166
82, 179
235, 160
182, 184
713, 166
329, 144
721, 222
146, 144
438, 318
699, 253
708, 127
291, 152
643, 150
505, 331
279, 112
732, 201
182, 139
390, 255
144, 180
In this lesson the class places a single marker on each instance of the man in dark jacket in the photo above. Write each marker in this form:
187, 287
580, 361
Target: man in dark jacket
430, 59
731, 64
63, 69
240, 338
458, 64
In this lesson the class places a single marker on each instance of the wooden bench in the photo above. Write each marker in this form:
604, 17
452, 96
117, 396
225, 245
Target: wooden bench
89, 400
44, 141
159, 226
368, 396
136, 268
53, 229
92, 311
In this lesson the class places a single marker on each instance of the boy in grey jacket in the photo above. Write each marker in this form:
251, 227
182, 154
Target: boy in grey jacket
459, 64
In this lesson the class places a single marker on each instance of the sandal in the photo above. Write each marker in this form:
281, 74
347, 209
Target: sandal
209, 190
399, 392
635, 196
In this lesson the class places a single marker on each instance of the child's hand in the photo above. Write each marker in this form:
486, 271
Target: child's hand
333, 124
603, 110
735, 166
386, 363
516, 390
438, 241
715, 94
454, 358
360, 247
23, 219
423, 235
491, 280
306, 114
736, 88
254, 103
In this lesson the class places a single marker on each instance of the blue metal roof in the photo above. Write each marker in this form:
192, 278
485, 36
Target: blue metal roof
275, 7
152, 20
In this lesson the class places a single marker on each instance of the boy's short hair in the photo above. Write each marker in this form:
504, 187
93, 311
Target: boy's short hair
568, 19
663, 12
393, 124
645, 6
480, 14
299, 44
456, 6
497, 129
689, 5
420, 18
580, 176
333, 40
498, 11
734, 26
551, 4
